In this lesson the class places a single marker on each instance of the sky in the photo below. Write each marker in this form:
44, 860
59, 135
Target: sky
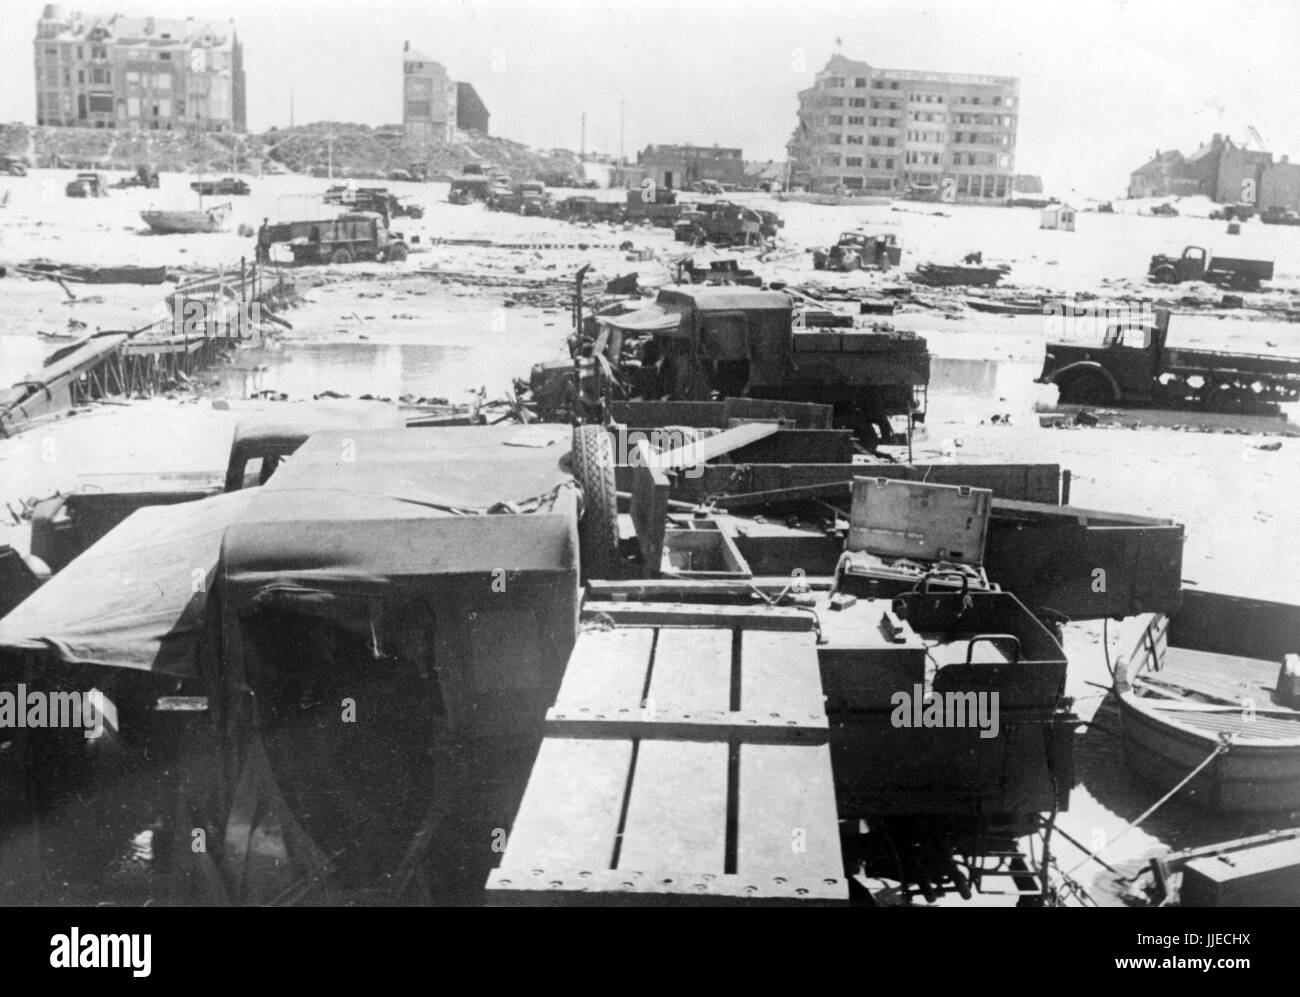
1104, 83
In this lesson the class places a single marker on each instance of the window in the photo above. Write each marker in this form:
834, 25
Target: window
876, 103
835, 81
890, 141
853, 139
877, 85
165, 56
834, 138
875, 139
893, 85
974, 100
101, 74
853, 161
835, 102
81, 76
81, 52
889, 164
872, 122
875, 164
855, 119
99, 51
835, 119
893, 105
997, 100
857, 102
860, 82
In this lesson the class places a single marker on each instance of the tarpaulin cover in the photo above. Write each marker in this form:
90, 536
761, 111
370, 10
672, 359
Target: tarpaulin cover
652, 318
137, 598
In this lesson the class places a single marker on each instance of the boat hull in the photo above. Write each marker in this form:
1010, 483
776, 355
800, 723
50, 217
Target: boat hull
187, 222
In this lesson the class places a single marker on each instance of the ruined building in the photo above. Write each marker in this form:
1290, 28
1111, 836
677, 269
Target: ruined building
138, 72
433, 105
884, 131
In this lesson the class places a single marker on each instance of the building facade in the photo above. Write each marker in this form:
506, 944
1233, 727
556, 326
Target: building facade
1222, 171
433, 105
884, 131
138, 72
675, 166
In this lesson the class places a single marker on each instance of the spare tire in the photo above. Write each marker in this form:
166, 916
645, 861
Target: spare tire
593, 467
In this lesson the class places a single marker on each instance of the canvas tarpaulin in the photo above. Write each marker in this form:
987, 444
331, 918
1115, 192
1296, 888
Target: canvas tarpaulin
138, 598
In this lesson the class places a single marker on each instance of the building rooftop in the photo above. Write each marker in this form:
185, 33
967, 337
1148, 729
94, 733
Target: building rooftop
119, 29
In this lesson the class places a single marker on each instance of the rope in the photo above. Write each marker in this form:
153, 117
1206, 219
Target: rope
1219, 749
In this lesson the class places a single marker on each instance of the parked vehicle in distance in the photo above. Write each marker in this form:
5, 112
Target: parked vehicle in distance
144, 176
1133, 366
86, 185
1233, 213
226, 186
1197, 263
1279, 216
860, 250
357, 235
12, 166
468, 188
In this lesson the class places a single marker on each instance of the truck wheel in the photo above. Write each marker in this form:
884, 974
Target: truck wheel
1165, 275
340, 256
397, 252
1087, 388
593, 467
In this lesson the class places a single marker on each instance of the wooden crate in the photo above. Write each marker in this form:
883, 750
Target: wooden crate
682, 765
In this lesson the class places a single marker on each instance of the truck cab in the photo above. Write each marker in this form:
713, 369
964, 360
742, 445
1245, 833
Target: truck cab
356, 235
1125, 364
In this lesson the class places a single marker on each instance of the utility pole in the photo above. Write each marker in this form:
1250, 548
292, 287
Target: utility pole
622, 121
582, 142
290, 106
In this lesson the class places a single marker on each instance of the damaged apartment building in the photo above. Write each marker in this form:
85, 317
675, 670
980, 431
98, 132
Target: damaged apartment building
870, 130
148, 73
433, 105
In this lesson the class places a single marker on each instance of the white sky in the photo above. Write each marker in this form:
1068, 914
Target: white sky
1103, 82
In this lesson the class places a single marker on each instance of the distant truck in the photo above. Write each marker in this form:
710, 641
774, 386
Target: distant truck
377, 199
86, 185
225, 187
656, 205
696, 343
860, 250
1279, 216
1133, 366
358, 235
11, 166
144, 176
725, 223
527, 198
468, 188
1197, 263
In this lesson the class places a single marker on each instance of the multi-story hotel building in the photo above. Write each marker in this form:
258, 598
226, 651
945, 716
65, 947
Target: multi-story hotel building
137, 72
887, 130
433, 105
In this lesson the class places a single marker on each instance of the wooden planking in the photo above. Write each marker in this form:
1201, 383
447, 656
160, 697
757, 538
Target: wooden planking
607, 669
667, 614
787, 824
765, 727
677, 812
779, 673
558, 827
691, 671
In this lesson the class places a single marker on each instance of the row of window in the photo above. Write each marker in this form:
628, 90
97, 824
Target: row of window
980, 159
925, 159
835, 138
839, 82
980, 138
970, 186
858, 119
1001, 120
923, 136
872, 163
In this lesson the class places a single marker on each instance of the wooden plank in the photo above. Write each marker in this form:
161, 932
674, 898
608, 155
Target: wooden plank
676, 589
541, 886
787, 825
668, 614
783, 726
561, 828
779, 673
691, 670
677, 811
607, 669
715, 446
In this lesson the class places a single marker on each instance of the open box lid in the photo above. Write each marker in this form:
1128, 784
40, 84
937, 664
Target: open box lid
921, 521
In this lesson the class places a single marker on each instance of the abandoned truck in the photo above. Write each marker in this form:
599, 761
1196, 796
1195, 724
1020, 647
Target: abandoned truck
698, 343
1132, 365
1197, 263
859, 250
357, 235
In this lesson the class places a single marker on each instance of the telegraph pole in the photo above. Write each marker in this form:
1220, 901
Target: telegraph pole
582, 142
622, 121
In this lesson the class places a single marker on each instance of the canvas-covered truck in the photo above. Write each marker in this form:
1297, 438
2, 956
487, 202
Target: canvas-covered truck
1133, 365
1198, 263
699, 343
356, 235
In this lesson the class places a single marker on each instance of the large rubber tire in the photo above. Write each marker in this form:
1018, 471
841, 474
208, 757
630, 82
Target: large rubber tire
1087, 388
1165, 274
397, 252
593, 467
340, 256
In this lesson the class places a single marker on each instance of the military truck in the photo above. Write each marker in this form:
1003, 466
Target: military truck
357, 235
1197, 263
1133, 366
860, 250
696, 343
